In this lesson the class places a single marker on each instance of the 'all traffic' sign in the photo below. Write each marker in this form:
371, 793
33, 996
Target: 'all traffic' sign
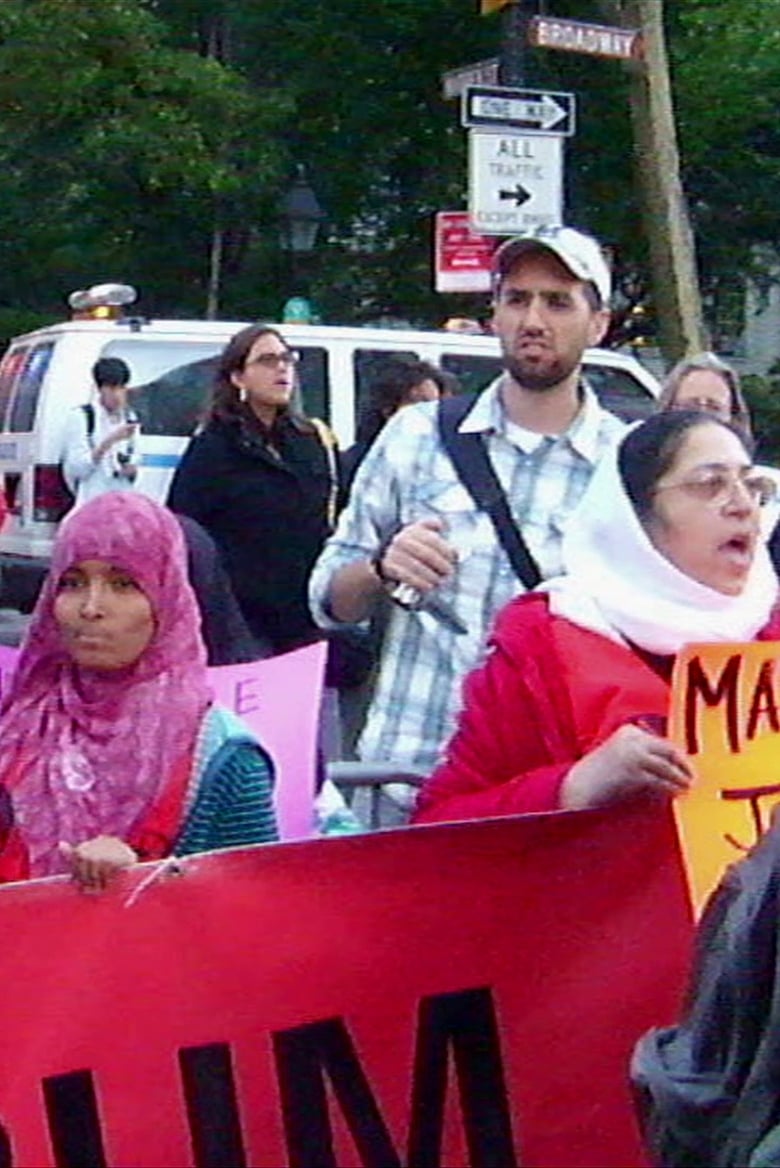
515, 181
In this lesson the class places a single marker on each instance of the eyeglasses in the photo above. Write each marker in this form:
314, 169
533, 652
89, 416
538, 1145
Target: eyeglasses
718, 486
707, 405
272, 360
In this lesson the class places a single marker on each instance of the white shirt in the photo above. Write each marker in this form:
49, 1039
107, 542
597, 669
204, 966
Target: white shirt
85, 477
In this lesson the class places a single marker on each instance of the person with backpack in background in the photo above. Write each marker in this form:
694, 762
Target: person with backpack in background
100, 450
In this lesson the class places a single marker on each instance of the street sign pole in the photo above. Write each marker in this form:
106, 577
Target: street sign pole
514, 34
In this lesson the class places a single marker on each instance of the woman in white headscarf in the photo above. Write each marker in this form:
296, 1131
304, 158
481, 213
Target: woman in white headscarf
569, 709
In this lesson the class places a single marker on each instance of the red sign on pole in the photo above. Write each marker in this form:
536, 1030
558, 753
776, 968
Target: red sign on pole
463, 256
574, 36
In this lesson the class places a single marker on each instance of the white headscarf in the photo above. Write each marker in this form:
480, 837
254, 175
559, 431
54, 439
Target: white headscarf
617, 584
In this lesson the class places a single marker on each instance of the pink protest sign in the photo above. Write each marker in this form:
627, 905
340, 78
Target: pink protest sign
279, 699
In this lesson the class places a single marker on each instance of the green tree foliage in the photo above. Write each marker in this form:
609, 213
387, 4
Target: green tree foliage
726, 67
131, 130
382, 148
117, 152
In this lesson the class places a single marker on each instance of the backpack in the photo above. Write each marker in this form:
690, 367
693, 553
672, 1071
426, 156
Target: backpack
67, 495
708, 1089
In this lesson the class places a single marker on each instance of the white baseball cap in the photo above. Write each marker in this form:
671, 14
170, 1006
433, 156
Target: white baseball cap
580, 253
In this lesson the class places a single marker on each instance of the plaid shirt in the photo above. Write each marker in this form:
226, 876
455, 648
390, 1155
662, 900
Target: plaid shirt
407, 476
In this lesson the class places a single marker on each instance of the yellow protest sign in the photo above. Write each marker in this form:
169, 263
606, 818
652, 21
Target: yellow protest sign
725, 715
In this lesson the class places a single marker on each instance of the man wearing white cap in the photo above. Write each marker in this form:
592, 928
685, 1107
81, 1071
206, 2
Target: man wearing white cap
412, 521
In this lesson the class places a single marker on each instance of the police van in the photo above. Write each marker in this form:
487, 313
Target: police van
46, 373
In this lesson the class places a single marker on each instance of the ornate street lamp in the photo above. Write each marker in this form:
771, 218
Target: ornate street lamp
300, 216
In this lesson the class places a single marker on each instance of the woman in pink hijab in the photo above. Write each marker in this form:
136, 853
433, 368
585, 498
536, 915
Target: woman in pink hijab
111, 749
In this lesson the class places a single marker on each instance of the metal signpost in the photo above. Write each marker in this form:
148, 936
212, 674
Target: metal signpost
516, 156
516, 134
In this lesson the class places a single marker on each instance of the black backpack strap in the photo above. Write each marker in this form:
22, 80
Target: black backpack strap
470, 459
89, 415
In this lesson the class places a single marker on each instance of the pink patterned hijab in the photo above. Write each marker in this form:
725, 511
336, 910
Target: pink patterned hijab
91, 750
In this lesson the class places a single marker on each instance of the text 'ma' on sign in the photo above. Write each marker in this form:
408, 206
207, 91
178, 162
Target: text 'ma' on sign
574, 36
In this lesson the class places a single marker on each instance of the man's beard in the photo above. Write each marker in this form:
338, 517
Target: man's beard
535, 378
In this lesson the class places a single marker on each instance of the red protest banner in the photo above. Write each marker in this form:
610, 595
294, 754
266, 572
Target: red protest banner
459, 994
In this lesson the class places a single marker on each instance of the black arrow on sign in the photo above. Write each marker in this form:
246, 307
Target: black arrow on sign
519, 194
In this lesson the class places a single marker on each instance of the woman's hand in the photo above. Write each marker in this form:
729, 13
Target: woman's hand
97, 861
631, 760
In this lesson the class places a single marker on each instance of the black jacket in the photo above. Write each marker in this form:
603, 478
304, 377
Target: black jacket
266, 512
223, 628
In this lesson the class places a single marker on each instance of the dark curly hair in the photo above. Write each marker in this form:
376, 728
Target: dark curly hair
226, 401
393, 381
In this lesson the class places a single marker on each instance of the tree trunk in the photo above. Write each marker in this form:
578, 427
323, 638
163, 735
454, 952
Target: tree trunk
672, 251
215, 272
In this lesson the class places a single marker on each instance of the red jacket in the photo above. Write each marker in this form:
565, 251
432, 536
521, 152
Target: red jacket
548, 693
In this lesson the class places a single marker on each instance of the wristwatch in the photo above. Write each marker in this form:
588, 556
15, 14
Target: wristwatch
376, 562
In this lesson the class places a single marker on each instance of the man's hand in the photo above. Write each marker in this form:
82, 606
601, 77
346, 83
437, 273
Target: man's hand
121, 433
97, 861
419, 555
631, 760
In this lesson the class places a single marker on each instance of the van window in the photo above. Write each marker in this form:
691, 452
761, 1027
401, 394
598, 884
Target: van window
176, 402
170, 381
28, 387
619, 392
9, 371
366, 364
314, 382
473, 372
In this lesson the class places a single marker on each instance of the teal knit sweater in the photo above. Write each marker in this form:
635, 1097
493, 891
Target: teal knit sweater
229, 803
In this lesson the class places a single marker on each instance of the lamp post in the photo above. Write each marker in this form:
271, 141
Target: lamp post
300, 218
